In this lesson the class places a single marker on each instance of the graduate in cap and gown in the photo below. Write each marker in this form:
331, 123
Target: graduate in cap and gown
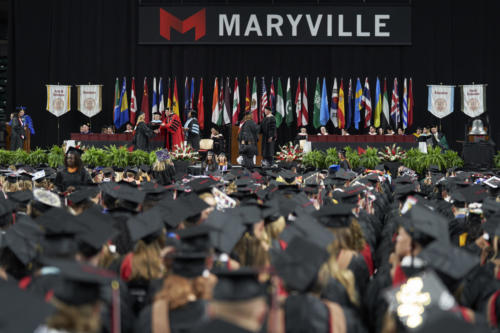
74, 174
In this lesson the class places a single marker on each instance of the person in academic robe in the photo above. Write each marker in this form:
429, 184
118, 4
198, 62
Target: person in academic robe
172, 126
248, 138
143, 133
344, 162
74, 174
268, 130
192, 129
438, 138
17, 132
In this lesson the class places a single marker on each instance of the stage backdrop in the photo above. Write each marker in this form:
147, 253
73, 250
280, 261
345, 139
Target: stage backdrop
82, 41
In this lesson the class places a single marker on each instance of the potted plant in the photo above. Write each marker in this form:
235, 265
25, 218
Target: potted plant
315, 159
183, 156
138, 157
55, 157
94, 157
370, 158
116, 156
332, 157
37, 157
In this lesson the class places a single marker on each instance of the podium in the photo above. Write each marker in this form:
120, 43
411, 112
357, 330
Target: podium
27, 138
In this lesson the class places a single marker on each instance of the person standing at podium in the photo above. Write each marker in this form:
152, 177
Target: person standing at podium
17, 132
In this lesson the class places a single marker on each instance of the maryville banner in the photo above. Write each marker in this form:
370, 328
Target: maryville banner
440, 102
324, 25
58, 99
89, 99
473, 99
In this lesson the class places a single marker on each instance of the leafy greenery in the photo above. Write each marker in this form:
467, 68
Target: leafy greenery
116, 156
412, 158
94, 157
370, 159
353, 157
452, 159
37, 157
315, 158
152, 156
55, 158
19, 157
6, 157
332, 157
138, 157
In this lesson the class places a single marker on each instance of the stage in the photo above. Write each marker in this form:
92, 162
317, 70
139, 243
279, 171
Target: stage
123, 139
323, 142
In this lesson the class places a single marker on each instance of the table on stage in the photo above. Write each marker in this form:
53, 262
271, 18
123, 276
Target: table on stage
323, 142
122, 139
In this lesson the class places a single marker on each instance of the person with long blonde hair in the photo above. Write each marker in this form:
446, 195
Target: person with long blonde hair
142, 134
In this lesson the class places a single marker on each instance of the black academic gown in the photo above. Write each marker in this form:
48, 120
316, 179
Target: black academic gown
165, 177
182, 320
268, 130
219, 326
306, 313
16, 135
64, 179
142, 135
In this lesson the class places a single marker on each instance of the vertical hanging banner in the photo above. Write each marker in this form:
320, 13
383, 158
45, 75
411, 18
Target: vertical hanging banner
473, 99
58, 99
89, 99
440, 102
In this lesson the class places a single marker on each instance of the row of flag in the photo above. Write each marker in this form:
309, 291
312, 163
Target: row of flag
345, 109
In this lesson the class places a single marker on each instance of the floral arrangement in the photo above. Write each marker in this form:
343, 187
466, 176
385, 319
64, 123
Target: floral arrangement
392, 153
185, 153
290, 152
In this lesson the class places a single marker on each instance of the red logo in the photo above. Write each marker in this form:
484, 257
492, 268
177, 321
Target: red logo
196, 21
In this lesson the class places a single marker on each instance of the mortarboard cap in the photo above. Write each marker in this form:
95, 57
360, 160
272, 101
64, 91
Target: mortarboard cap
299, 264
335, 216
238, 285
98, 227
449, 260
188, 264
143, 225
46, 197
21, 311
74, 150
473, 193
176, 211
197, 238
123, 192
81, 283
308, 228
83, 194
162, 155
229, 229
422, 223
22, 239
200, 185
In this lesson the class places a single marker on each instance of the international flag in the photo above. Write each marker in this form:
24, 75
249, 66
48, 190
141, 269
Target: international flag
186, 99
410, 104
201, 106
227, 104
288, 104
324, 114
358, 104
378, 104
298, 105
215, 103
280, 105
133, 103
122, 117
116, 108
161, 107
169, 96
221, 102
272, 97
191, 96
154, 108
334, 106
405, 105
247, 96
395, 104
317, 105
304, 116
236, 102
254, 108
145, 102
341, 113
263, 99
175, 99
366, 101
349, 106
385, 106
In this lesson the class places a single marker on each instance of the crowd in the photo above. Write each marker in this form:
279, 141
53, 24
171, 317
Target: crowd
263, 249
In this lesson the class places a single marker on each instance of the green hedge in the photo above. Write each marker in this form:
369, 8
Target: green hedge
414, 160
92, 157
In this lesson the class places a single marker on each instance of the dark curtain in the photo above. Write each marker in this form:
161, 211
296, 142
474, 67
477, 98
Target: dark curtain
82, 41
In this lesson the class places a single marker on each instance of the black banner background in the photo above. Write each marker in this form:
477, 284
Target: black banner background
81, 41
398, 25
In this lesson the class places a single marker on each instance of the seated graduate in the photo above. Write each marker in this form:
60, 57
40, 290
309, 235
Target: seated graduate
74, 174
223, 164
210, 163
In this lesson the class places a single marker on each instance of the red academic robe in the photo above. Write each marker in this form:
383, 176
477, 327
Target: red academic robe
172, 125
